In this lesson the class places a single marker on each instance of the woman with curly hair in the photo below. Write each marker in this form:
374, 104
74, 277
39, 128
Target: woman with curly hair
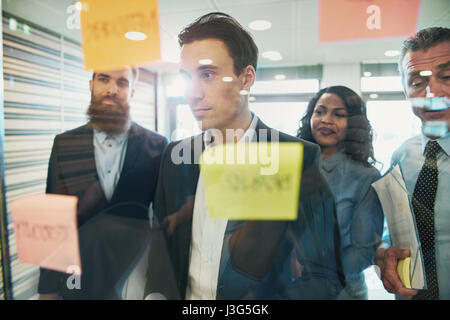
336, 119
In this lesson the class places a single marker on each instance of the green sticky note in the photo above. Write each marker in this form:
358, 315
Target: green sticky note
253, 181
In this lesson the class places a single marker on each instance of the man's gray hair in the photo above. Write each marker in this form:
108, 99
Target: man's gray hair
423, 40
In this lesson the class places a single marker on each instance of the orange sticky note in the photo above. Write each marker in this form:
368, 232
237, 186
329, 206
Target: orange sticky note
117, 33
341, 20
46, 231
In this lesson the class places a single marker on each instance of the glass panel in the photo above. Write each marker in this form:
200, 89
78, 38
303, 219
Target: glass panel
283, 116
285, 86
392, 122
381, 84
186, 124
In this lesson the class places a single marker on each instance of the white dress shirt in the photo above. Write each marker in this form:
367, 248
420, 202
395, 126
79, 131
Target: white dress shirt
207, 237
109, 158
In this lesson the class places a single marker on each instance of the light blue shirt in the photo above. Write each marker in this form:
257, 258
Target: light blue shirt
411, 156
359, 214
109, 158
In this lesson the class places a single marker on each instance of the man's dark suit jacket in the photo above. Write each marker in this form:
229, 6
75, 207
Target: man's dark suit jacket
314, 235
103, 224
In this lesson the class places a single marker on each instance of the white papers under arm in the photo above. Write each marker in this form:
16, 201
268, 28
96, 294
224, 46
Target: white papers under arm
393, 196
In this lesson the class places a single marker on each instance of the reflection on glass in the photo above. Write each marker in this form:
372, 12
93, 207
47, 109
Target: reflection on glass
205, 61
392, 123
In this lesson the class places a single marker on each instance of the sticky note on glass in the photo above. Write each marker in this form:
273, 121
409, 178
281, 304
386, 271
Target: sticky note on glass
45, 227
117, 33
343, 20
403, 270
253, 181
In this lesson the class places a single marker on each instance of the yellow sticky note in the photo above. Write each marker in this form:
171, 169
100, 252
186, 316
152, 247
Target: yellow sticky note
117, 33
403, 270
253, 181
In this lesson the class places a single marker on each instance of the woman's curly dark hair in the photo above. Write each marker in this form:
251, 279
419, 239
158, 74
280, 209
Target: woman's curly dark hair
358, 139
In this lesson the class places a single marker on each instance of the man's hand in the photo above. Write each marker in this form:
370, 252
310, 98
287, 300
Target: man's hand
296, 267
387, 260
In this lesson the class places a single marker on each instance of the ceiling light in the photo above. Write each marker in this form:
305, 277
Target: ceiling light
260, 25
135, 36
280, 77
367, 74
392, 53
251, 98
373, 96
272, 55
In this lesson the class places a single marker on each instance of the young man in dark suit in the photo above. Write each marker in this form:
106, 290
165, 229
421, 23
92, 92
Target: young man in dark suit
195, 257
111, 164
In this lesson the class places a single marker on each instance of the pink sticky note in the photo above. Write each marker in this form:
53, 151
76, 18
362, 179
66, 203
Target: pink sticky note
46, 231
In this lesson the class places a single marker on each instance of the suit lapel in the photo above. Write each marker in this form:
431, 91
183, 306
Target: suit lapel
134, 146
82, 148
82, 176
262, 126
195, 142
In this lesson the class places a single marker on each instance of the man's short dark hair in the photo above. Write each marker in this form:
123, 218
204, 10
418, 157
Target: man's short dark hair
221, 26
423, 40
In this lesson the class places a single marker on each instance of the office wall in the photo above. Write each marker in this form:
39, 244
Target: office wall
346, 74
4, 249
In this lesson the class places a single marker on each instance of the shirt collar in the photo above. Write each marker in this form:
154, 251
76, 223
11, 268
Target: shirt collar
249, 135
328, 164
102, 137
444, 143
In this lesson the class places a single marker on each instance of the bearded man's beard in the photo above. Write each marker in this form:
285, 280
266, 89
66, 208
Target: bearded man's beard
112, 119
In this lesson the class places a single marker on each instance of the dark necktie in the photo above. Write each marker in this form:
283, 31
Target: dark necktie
423, 205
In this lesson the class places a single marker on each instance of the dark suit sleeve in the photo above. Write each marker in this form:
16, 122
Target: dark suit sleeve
160, 274
314, 236
55, 183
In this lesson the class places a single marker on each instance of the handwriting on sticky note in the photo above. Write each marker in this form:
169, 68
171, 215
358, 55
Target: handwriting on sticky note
258, 183
41, 232
253, 181
45, 228
105, 26
100, 30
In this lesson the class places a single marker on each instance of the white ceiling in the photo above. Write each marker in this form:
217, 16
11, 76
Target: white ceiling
294, 30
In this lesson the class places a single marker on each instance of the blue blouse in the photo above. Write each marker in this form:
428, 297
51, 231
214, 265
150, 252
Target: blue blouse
359, 212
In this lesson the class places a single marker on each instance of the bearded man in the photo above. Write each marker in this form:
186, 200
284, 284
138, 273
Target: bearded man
111, 164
